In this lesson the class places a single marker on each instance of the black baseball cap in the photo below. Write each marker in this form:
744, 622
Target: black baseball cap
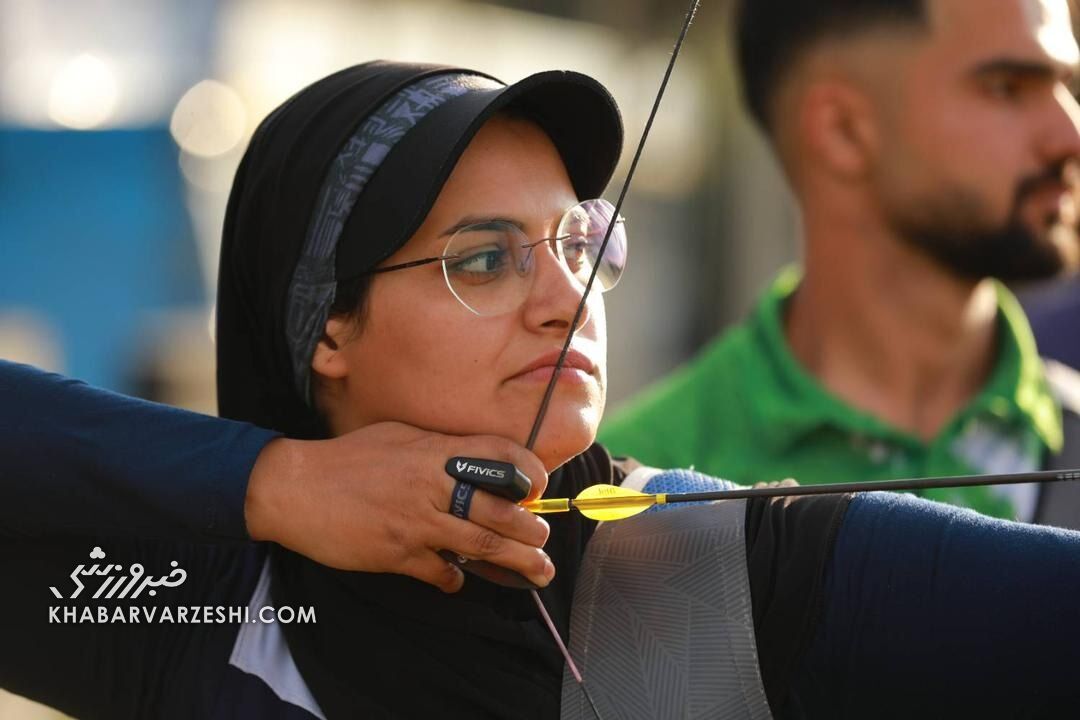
577, 113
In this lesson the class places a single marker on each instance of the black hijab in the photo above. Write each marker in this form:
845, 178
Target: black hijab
388, 645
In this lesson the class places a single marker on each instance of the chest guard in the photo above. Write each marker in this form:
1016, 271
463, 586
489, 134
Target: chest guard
661, 624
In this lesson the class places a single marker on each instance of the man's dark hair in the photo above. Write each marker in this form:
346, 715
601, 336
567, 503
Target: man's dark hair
771, 34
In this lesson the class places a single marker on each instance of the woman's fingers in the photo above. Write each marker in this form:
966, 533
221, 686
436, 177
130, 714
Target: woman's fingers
432, 569
480, 543
376, 500
507, 519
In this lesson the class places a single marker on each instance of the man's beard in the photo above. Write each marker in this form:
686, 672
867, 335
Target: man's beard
952, 230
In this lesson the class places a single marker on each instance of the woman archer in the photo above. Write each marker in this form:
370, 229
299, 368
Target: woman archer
407, 245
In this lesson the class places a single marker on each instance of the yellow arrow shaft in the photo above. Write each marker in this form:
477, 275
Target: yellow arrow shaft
553, 505
618, 503
604, 507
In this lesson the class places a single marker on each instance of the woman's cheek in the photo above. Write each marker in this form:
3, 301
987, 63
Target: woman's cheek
597, 328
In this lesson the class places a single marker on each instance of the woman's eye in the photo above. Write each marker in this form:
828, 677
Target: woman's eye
480, 262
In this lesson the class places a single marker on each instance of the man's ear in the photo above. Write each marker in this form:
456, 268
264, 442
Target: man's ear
838, 126
329, 361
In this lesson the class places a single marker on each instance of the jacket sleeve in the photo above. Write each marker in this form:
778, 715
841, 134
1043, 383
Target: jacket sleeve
930, 610
93, 478
78, 460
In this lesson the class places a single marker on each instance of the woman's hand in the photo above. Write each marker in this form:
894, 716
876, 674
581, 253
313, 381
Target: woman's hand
376, 500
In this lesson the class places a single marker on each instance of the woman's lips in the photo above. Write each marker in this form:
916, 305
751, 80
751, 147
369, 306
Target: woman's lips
567, 374
577, 368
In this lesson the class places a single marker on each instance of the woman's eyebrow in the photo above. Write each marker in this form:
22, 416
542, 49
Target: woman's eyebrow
481, 220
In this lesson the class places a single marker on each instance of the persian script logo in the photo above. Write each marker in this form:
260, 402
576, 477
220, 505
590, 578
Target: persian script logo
120, 586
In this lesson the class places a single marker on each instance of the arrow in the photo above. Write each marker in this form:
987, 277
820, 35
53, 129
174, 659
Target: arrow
611, 502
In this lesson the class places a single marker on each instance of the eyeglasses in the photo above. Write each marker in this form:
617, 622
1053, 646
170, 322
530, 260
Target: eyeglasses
488, 266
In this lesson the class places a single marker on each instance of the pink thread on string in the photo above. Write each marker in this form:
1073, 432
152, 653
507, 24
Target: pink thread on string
558, 640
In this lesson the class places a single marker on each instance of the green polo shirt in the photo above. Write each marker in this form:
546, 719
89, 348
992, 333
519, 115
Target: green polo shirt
746, 410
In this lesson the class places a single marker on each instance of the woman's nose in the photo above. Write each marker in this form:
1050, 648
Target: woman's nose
556, 293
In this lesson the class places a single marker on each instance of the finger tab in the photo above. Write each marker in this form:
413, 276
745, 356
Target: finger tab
498, 478
489, 571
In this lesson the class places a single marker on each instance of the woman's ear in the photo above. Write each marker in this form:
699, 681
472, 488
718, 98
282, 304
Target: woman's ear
329, 361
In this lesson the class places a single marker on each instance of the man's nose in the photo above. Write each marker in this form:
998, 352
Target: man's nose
1062, 133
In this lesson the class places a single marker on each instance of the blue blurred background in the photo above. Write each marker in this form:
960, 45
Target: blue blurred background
95, 236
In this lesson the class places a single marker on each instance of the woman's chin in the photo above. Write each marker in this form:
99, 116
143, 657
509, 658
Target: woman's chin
560, 441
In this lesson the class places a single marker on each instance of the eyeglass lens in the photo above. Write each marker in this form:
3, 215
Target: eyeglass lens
488, 266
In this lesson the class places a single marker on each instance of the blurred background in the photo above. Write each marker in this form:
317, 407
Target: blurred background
122, 122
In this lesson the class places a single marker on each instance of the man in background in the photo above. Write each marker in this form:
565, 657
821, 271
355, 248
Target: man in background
932, 147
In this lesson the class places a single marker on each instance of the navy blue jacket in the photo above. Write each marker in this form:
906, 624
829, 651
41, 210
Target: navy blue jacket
88, 476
